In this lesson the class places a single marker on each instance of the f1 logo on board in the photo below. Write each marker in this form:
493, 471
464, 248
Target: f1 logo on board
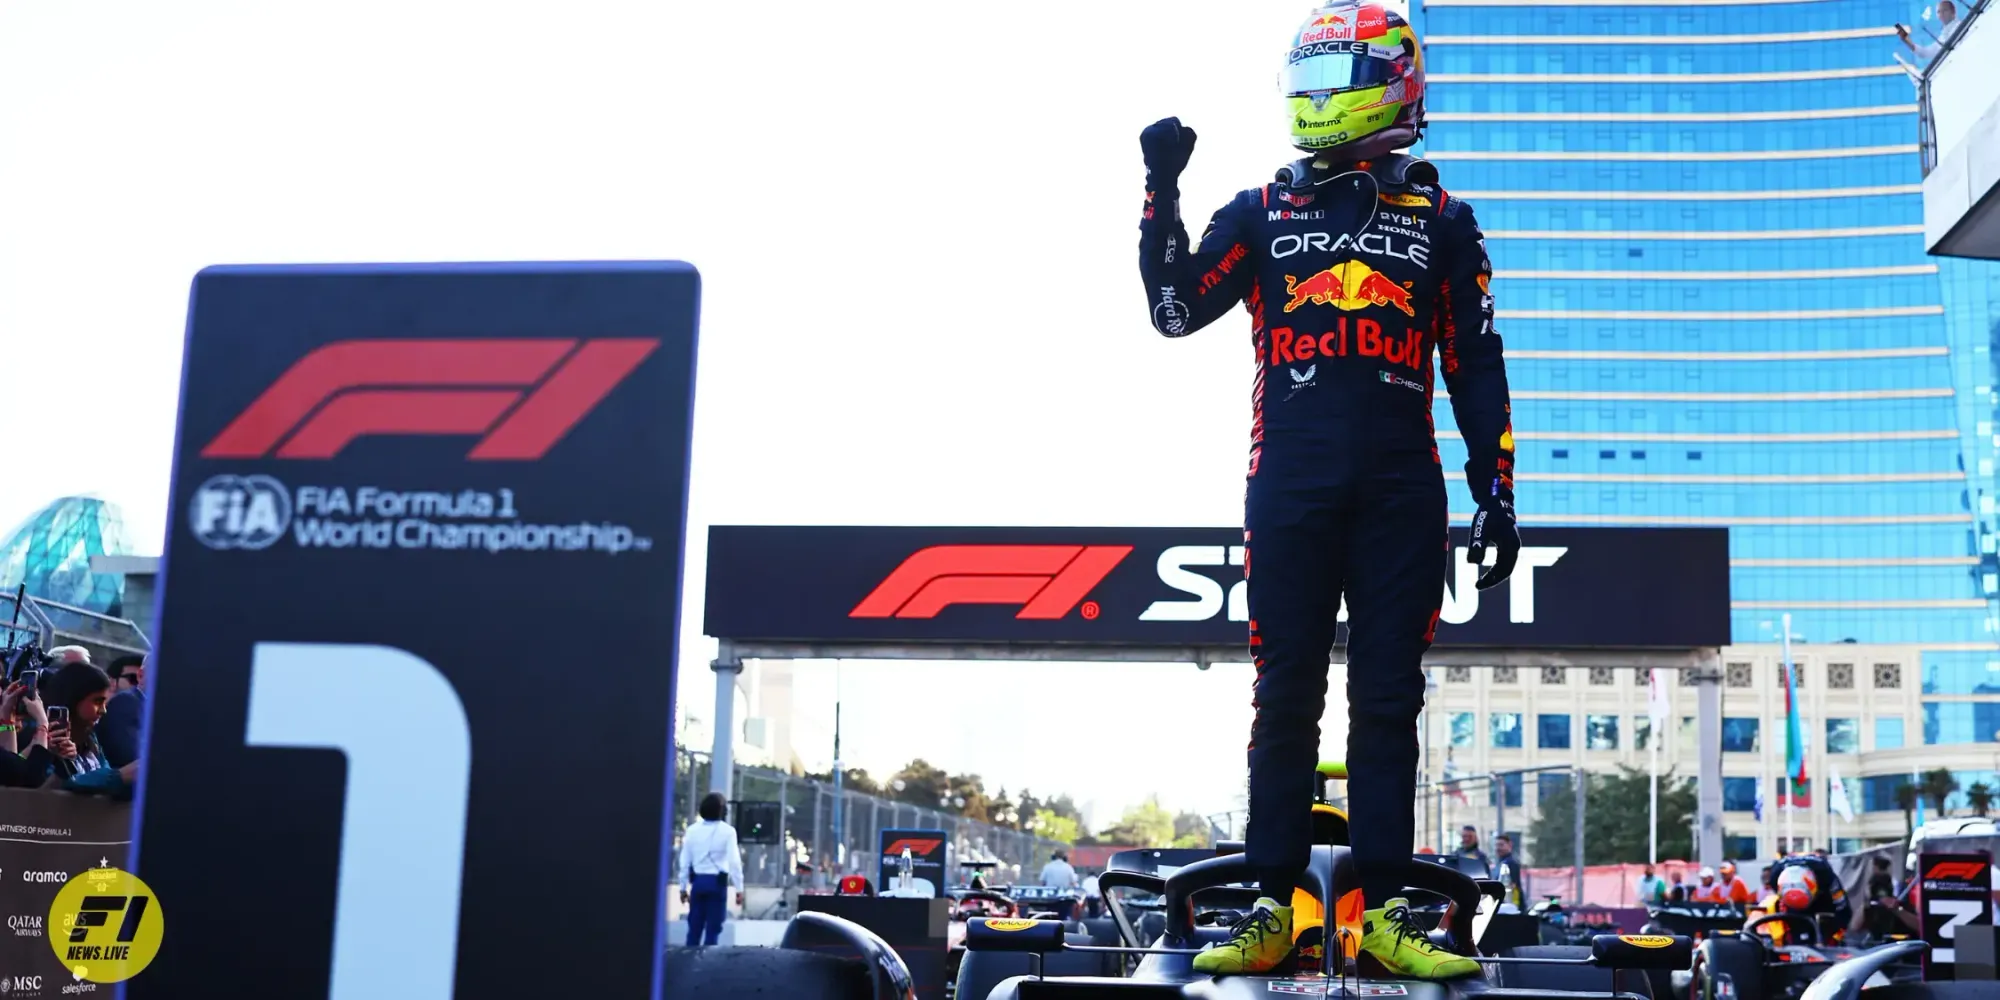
1047, 581
356, 388
917, 847
1955, 871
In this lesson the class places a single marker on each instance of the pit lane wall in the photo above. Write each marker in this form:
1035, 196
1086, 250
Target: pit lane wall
45, 839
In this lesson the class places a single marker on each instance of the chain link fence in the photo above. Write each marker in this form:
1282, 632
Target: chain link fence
837, 833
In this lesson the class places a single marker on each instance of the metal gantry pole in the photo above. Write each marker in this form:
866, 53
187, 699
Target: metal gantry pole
721, 765
1577, 785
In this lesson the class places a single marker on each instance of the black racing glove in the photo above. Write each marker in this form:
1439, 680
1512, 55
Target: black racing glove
1494, 525
1167, 144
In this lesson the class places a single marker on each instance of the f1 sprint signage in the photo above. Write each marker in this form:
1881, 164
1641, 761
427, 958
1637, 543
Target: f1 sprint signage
1574, 587
402, 496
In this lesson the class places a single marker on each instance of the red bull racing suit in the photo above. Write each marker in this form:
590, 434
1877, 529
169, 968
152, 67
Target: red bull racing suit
1360, 286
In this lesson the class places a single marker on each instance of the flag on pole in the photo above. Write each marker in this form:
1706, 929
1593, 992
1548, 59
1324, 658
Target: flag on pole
1658, 705
1795, 747
1836, 795
1453, 786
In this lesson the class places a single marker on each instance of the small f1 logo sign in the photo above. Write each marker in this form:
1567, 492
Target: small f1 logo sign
1046, 580
918, 848
355, 388
1955, 870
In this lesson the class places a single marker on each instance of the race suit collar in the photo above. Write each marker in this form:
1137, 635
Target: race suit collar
1392, 171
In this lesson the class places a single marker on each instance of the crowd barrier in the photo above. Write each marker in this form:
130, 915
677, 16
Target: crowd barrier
46, 837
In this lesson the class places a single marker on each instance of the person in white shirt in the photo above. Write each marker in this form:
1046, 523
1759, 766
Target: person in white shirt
1058, 873
1093, 896
1947, 26
710, 861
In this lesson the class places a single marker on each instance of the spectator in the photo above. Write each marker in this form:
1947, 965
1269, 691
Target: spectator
123, 715
1093, 896
1734, 888
1710, 890
82, 691
1820, 853
63, 656
1676, 892
710, 861
1948, 25
1652, 890
1507, 869
1468, 845
29, 768
1057, 872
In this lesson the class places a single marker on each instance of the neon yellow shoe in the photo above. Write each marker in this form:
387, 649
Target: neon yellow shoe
1257, 943
1394, 937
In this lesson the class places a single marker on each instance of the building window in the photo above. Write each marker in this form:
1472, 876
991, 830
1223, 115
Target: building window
1737, 675
1555, 675
1888, 734
1639, 454
1685, 738
1739, 848
1600, 675
1798, 672
1461, 729
1687, 678
1847, 845
1840, 676
1694, 456
1600, 732
1738, 794
1458, 675
1843, 736
1511, 784
1559, 453
1505, 728
1552, 731
1888, 675
1642, 732
1506, 675
1739, 735
1607, 454
1553, 785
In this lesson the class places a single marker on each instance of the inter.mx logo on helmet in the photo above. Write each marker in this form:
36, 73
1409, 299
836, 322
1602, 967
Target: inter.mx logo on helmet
357, 388
1047, 581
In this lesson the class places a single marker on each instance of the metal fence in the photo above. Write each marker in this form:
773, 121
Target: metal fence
843, 841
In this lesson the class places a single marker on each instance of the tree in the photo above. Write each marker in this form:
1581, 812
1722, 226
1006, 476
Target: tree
1937, 786
1191, 830
920, 783
1980, 797
1001, 811
967, 797
1147, 824
1906, 800
854, 779
1061, 829
1615, 820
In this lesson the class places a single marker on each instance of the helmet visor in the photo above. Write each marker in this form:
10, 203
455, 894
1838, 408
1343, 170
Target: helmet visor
1334, 67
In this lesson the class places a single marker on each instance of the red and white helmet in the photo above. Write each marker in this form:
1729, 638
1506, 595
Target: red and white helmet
1797, 888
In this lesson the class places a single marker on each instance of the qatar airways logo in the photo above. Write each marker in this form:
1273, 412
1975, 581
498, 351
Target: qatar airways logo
1206, 598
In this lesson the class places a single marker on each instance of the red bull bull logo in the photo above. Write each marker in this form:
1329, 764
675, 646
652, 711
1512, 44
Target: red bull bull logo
1351, 285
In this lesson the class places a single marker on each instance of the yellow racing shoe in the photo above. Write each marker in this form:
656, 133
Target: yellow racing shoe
1257, 943
1393, 936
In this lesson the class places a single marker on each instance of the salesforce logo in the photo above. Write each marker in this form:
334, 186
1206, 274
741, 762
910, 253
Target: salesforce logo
240, 512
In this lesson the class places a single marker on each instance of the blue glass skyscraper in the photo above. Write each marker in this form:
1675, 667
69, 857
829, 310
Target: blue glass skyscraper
1706, 225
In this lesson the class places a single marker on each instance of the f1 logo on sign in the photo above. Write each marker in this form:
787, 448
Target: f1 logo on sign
346, 390
1046, 580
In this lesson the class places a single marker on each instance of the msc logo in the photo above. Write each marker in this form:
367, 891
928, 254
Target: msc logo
20, 984
1955, 871
356, 388
240, 512
1047, 581
916, 846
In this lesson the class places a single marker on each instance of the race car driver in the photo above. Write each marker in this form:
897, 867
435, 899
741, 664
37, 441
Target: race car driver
1356, 268
1808, 885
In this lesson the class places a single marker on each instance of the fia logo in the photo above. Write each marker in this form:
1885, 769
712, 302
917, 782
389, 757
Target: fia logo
240, 512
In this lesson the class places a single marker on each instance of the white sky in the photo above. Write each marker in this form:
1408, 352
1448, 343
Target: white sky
916, 224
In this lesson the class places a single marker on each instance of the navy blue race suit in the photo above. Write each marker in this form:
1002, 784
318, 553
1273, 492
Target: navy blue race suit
1353, 281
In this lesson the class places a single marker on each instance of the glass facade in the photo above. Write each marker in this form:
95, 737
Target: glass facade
1506, 730
1710, 271
1552, 732
50, 553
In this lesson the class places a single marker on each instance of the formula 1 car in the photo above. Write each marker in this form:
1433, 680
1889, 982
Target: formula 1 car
1755, 964
1872, 975
1017, 959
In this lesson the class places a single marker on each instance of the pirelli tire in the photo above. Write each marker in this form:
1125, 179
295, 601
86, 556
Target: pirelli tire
765, 972
1739, 959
